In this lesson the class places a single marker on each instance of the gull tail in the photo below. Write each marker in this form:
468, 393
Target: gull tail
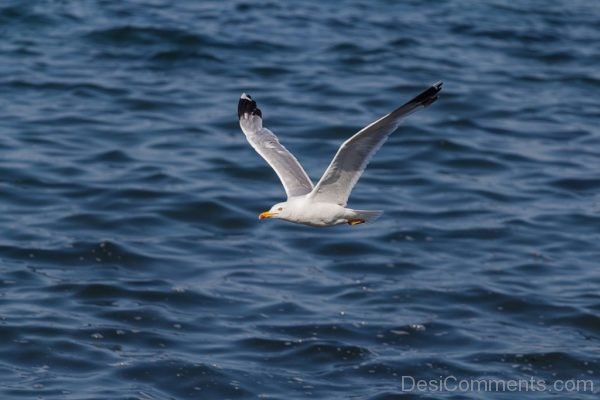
362, 216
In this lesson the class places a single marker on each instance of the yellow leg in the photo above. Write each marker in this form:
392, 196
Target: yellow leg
356, 221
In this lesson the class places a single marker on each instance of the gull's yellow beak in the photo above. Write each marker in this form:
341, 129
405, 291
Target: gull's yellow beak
264, 215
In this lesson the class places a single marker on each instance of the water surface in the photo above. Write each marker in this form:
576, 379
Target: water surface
132, 263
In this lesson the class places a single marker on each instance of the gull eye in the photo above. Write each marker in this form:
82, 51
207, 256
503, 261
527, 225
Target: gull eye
280, 208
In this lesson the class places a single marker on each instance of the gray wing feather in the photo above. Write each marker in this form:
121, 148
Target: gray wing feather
293, 177
354, 154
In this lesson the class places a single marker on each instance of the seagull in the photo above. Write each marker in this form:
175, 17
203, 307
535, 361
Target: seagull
325, 203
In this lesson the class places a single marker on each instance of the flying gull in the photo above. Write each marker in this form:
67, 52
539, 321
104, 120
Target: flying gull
324, 204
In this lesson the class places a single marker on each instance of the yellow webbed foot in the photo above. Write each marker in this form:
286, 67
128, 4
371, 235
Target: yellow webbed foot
356, 221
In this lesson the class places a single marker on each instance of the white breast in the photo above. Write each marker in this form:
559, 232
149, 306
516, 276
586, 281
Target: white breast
305, 211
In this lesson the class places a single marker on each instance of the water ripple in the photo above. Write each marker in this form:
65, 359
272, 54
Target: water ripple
133, 265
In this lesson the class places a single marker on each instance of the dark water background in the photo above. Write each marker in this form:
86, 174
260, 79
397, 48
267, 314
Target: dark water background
132, 264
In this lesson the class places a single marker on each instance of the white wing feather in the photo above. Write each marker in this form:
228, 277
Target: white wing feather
293, 177
354, 154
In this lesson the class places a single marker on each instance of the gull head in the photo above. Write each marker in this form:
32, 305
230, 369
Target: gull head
279, 210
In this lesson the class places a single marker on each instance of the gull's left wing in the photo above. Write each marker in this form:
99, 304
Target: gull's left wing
293, 177
353, 156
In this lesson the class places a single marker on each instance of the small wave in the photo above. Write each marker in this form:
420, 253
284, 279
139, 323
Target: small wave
78, 254
577, 184
303, 351
145, 35
24, 15
194, 379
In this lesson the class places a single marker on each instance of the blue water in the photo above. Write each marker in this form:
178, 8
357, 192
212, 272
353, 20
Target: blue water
132, 262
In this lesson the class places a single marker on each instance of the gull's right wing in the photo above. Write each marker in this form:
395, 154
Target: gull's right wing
354, 154
286, 166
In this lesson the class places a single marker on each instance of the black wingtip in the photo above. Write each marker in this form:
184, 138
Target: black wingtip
247, 106
429, 96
